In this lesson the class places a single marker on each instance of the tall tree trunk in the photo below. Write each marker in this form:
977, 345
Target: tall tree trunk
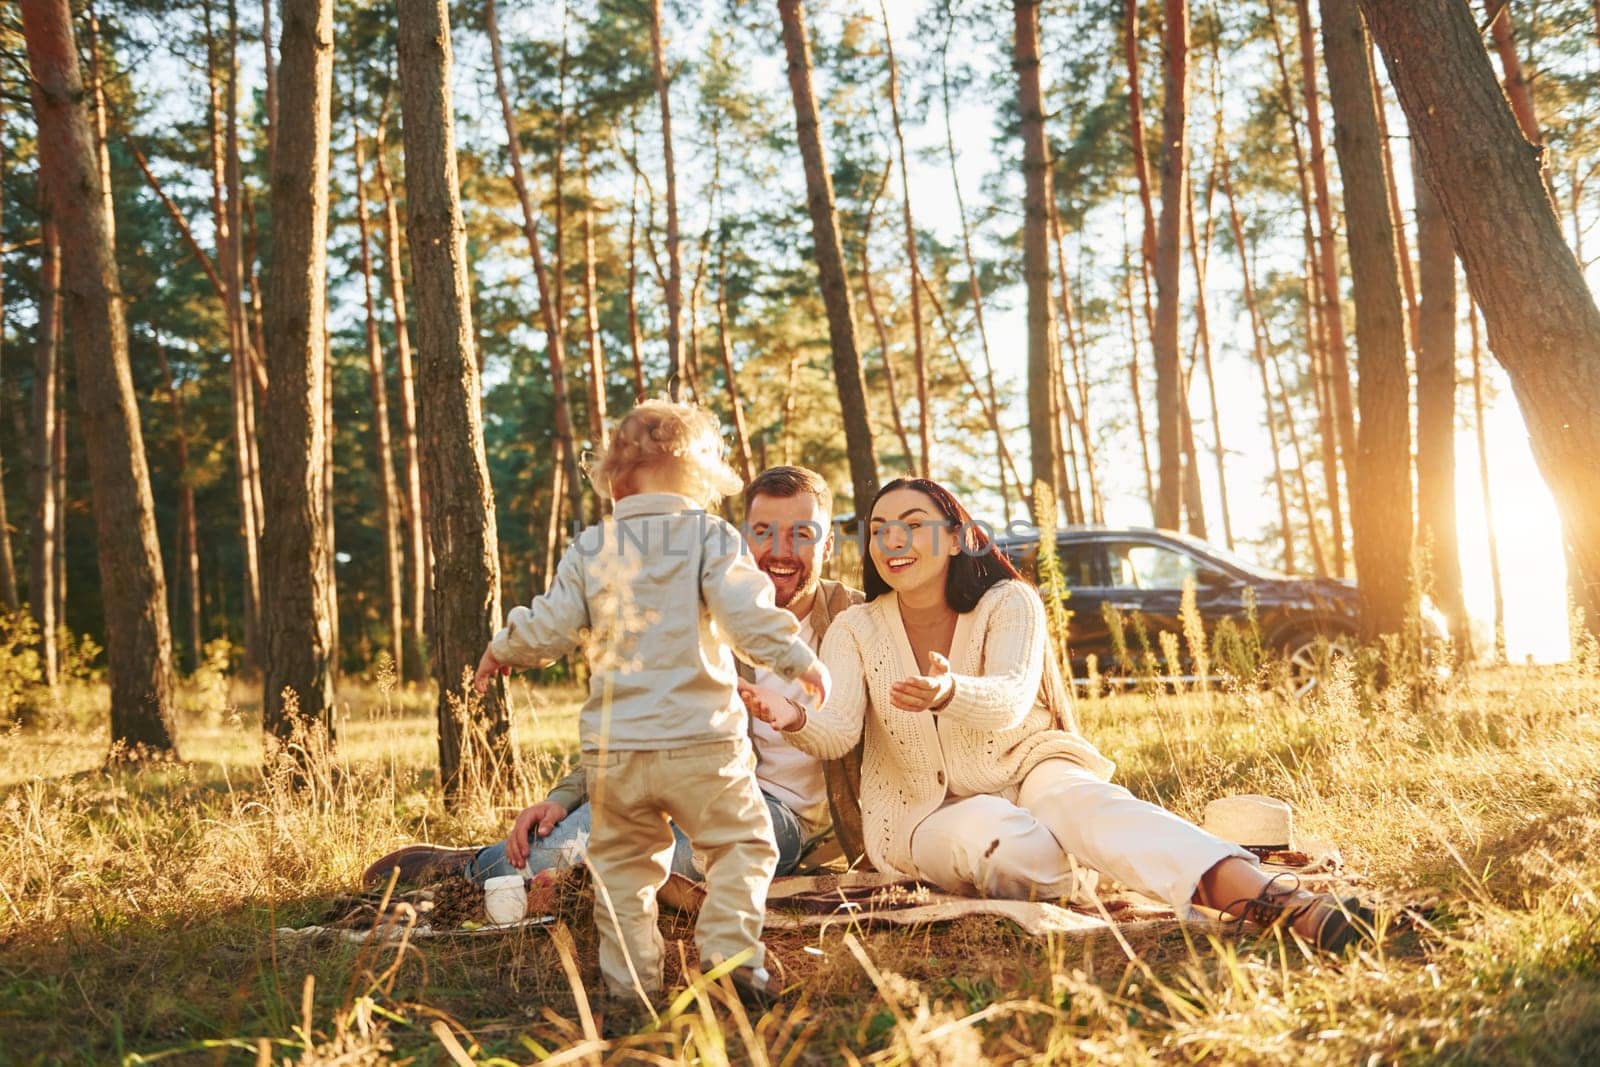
973, 287
42, 480
897, 420
1380, 493
1436, 411
1484, 483
549, 286
332, 555
294, 547
741, 436
227, 214
830, 260
1402, 245
1077, 414
635, 344
591, 310
8, 571
1039, 191
269, 60
920, 362
1141, 155
1328, 252
1199, 260
1542, 320
466, 584
1135, 382
418, 558
187, 553
674, 289
138, 641
1168, 264
1519, 90
1314, 339
1258, 340
388, 489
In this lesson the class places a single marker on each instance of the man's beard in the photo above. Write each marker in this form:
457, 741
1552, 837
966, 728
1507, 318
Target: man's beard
805, 583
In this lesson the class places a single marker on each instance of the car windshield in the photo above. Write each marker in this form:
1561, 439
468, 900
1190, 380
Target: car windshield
1232, 559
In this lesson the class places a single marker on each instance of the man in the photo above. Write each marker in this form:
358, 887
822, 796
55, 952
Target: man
788, 529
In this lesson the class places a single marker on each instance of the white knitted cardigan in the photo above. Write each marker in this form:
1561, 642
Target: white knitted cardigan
996, 728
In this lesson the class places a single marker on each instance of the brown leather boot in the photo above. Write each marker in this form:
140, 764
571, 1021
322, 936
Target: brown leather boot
419, 863
1335, 924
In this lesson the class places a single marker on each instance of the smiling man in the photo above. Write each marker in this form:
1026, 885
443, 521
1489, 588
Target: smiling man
788, 524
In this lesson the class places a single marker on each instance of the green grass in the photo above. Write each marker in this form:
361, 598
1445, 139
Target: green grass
137, 904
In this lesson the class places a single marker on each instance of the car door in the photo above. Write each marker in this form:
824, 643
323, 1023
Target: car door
1147, 578
1083, 565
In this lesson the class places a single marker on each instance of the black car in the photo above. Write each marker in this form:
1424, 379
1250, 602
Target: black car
1139, 570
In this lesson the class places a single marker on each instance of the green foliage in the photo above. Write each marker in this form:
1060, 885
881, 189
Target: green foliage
20, 669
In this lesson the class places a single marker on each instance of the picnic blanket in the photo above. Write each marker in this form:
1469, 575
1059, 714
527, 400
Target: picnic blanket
454, 907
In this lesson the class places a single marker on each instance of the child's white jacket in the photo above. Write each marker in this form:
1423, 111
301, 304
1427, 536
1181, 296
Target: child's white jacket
655, 595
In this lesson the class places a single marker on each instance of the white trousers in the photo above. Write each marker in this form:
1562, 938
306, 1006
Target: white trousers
1064, 820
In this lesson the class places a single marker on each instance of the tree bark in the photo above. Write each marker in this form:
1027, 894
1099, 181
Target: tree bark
241, 356
1141, 155
1380, 493
187, 551
8, 571
270, 129
674, 289
466, 575
1199, 260
1543, 324
1436, 410
42, 480
919, 350
1036, 170
388, 489
418, 560
1328, 252
138, 641
1168, 263
741, 436
294, 546
1519, 90
1135, 383
591, 311
830, 259
549, 284
635, 343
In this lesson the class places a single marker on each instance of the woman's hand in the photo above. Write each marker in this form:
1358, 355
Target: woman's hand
922, 692
488, 667
817, 682
541, 818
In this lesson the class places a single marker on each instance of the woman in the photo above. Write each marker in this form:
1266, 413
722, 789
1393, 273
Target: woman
974, 777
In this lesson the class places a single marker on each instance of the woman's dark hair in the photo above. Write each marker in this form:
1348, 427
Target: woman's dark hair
973, 571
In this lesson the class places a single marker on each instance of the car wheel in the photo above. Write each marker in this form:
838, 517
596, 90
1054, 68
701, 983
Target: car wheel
1311, 655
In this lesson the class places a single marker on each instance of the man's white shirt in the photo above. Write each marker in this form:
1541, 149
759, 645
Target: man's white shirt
786, 773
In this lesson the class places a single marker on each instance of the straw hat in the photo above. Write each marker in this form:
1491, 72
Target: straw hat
1255, 822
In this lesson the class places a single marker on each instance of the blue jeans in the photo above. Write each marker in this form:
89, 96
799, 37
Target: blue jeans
562, 848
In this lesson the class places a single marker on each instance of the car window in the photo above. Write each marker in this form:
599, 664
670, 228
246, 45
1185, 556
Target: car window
1079, 565
1151, 566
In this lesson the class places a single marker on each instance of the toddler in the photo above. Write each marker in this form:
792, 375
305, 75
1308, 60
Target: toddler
655, 595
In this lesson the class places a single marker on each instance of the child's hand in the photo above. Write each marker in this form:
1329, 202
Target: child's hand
817, 682
488, 667
772, 707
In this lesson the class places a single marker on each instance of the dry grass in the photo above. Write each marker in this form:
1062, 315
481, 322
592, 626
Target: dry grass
136, 905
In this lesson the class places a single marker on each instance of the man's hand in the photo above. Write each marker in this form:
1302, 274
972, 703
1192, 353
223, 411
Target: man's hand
817, 682
772, 707
539, 818
488, 667
923, 691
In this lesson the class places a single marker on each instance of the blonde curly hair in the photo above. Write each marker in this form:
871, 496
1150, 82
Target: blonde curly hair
664, 436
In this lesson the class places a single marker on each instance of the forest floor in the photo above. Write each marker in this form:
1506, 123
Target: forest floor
139, 904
